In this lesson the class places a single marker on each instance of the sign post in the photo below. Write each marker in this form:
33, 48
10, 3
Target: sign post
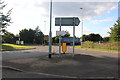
60, 39
73, 37
67, 21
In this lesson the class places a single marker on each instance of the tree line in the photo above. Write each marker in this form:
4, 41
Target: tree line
29, 36
32, 36
92, 37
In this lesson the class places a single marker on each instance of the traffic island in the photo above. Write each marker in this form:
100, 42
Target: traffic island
81, 66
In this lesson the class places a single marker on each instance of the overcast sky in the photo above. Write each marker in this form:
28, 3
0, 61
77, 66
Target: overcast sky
98, 16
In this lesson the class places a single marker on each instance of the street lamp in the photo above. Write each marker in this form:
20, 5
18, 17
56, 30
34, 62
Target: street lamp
82, 26
50, 32
44, 30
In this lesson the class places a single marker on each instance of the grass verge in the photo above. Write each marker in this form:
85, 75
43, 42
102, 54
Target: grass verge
100, 49
6, 46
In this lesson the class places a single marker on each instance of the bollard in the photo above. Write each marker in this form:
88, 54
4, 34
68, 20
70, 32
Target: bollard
63, 48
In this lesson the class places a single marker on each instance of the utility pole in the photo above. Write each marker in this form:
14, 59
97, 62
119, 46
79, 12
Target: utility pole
50, 33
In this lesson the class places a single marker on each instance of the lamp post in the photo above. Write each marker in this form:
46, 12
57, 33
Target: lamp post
44, 30
82, 27
50, 33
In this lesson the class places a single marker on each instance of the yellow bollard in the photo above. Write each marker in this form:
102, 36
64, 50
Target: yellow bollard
63, 48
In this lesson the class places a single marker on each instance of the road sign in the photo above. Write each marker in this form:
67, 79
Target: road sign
70, 40
60, 33
67, 21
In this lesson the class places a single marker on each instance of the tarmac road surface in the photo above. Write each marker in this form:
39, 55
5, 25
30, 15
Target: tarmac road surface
85, 63
43, 50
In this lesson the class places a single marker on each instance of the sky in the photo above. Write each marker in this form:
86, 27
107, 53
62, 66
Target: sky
98, 16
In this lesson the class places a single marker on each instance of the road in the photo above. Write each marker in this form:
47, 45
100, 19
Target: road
85, 63
43, 50
40, 50
7, 74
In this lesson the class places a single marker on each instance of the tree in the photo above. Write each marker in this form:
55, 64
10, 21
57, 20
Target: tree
67, 34
115, 32
39, 36
8, 38
27, 35
106, 39
5, 19
92, 37
24, 35
55, 39
31, 36
85, 38
98, 37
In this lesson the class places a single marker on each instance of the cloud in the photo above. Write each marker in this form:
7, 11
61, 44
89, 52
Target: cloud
84, 0
90, 9
102, 20
29, 13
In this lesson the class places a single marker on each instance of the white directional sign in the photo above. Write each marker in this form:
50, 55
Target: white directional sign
67, 21
60, 33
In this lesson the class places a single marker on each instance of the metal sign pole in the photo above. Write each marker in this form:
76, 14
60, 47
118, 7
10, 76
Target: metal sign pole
60, 39
82, 27
73, 36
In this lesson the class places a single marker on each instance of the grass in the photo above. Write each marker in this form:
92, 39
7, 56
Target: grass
101, 49
6, 46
